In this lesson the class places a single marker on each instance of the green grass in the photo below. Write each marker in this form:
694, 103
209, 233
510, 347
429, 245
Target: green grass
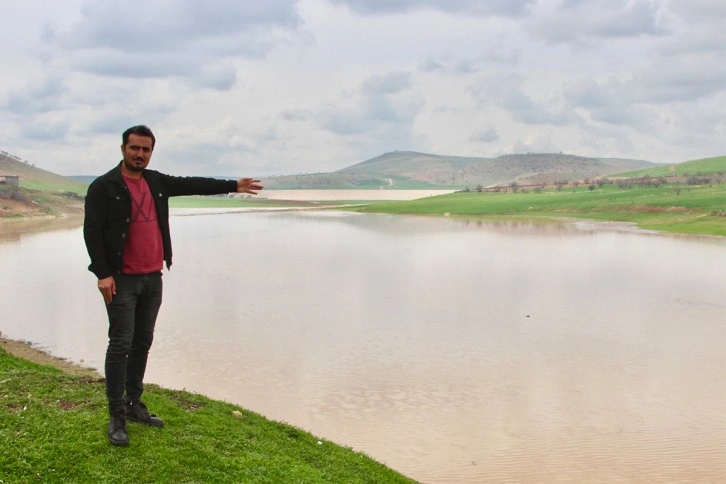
668, 208
52, 429
49, 202
71, 186
703, 167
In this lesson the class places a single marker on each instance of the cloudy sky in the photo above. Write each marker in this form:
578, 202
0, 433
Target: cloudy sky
273, 87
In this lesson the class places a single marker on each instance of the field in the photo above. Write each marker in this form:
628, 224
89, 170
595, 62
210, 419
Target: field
670, 208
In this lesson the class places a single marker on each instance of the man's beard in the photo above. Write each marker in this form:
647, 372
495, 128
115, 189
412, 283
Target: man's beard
131, 167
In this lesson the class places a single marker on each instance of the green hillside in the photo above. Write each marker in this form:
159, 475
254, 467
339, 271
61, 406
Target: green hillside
40, 192
409, 169
627, 164
702, 167
414, 165
38, 179
398, 170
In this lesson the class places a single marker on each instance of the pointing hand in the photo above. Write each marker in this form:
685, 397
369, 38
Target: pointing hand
248, 185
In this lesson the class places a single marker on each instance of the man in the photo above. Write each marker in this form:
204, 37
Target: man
126, 230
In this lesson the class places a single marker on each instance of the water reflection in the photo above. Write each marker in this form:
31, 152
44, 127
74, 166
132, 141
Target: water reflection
13, 230
452, 351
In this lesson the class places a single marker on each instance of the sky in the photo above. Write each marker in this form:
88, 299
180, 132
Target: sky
280, 87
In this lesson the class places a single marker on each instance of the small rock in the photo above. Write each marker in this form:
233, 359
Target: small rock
237, 414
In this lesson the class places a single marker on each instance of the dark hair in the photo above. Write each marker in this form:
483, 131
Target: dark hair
140, 130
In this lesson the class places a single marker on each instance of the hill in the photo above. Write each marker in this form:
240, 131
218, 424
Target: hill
396, 170
37, 178
41, 192
409, 169
701, 167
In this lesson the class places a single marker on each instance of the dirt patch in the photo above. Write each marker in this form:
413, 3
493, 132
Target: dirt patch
14, 208
27, 352
25, 202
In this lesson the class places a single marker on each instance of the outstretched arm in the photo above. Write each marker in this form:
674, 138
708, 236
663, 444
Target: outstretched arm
248, 185
174, 186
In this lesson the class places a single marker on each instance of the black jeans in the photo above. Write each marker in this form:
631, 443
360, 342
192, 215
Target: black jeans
131, 317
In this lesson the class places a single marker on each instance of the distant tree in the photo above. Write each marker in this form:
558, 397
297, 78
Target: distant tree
623, 183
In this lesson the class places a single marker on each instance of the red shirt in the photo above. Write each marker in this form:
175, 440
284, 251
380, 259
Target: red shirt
144, 252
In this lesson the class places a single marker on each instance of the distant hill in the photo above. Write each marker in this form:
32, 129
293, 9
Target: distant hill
701, 167
413, 170
41, 192
37, 178
410, 169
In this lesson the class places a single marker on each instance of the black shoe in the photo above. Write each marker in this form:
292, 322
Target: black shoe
136, 411
117, 434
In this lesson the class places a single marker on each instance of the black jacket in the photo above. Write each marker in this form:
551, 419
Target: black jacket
108, 213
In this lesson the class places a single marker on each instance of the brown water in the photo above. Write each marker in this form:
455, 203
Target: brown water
451, 351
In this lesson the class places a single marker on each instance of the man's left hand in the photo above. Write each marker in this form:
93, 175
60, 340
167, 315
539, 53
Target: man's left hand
248, 185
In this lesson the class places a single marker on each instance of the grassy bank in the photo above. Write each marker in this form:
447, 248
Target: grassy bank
670, 208
52, 429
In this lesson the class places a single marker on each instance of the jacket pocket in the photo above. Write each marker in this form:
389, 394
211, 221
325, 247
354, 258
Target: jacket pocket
118, 207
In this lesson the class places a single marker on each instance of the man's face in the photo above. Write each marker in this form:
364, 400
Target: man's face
137, 152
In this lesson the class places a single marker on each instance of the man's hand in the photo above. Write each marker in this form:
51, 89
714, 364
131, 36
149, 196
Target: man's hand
248, 185
107, 287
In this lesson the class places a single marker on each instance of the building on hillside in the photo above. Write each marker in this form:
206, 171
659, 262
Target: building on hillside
10, 180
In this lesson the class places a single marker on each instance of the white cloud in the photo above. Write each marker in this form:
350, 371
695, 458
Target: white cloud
45, 128
389, 83
290, 86
175, 26
172, 38
690, 79
507, 92
539, 143
485, 135
377, 117
466, 7
588, 21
